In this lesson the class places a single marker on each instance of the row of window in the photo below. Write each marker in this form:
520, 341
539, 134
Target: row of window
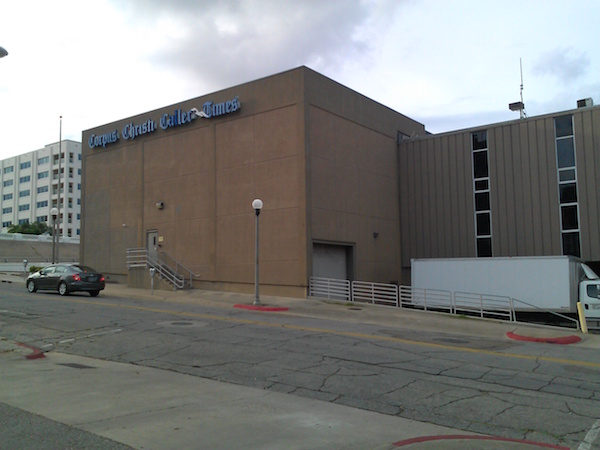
9, 210
481, 191
43, 203
567, 185
41, 161
40, 176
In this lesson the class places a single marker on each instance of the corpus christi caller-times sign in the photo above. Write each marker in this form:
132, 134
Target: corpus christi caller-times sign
179, 117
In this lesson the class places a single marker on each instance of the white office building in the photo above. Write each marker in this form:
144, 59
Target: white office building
29, 187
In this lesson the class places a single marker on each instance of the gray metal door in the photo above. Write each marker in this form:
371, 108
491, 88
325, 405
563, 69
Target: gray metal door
331, 261
152, 244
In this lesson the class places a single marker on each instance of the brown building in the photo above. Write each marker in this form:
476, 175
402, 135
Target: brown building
528, 187
180, 181
351, 189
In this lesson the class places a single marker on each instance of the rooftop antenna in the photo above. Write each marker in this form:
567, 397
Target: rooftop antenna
519, 106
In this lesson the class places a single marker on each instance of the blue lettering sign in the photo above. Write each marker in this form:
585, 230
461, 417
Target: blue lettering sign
210, 109
131, 131
179, 117
103, 140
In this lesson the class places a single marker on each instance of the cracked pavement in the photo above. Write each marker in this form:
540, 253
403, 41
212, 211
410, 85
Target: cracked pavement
488, 385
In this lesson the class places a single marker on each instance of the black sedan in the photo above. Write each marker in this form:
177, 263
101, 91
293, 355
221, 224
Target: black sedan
66, 278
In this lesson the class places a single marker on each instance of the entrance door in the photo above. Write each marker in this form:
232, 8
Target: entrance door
152, 244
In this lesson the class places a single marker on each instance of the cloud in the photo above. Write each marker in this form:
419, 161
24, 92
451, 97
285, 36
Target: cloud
566, 64
229, 42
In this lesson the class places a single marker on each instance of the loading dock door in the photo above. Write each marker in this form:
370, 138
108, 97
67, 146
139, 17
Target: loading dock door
332, 261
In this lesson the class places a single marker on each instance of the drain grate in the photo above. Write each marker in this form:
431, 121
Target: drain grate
76, 366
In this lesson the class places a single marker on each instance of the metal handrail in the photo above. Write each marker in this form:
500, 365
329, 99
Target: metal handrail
167, 272
139, 257
178, 265
562, 316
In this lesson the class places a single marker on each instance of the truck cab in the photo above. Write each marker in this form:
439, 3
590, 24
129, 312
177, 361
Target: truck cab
589, 293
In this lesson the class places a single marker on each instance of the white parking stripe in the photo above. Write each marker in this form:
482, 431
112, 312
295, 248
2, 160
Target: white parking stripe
590, 437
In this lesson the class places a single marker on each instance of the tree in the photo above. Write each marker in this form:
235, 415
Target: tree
30, 228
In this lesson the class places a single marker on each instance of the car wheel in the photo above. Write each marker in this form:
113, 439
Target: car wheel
94, 293
63, 289
31, 286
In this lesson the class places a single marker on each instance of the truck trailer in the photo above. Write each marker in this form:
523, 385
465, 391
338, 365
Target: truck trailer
550, 283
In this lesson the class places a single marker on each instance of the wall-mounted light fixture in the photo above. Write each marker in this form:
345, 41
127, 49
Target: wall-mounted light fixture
375, 234
160, 205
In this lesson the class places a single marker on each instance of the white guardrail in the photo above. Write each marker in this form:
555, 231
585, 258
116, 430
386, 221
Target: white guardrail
475, 305
36, 238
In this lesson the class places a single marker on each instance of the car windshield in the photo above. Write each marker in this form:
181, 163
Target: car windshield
82, 269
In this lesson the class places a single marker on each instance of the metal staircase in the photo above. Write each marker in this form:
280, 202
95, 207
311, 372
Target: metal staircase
167, 267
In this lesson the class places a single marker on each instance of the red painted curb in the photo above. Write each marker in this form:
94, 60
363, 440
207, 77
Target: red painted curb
262, 308
36, 352
560, 340
469, 437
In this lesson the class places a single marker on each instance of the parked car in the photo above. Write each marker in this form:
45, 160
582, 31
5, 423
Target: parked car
66, 278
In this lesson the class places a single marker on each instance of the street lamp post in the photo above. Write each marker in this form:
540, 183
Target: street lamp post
54, 214
3, 52
257, 204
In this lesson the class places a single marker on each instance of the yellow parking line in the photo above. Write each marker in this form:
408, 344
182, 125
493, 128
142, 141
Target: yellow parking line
372, 337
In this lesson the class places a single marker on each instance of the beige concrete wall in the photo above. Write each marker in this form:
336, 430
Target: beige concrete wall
354, 176
322, 157
207, 173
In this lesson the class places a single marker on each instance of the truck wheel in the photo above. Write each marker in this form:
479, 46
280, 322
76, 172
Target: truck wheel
31, 286
63, 289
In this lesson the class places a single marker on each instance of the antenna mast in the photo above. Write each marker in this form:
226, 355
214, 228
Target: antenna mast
519, 106
523, 113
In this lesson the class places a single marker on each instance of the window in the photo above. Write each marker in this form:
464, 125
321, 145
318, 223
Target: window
7, 197
9, 169
42, 189
6, 224
23, 207
7, 183
42, 204
25, 165
25, 179
41, 219
43, 160
23, 221
563, 126
593, 290
42, 175
479, 140
481, 194
25, 193
567, 185
7, 210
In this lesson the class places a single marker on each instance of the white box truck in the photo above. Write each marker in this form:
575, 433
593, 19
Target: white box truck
554, 283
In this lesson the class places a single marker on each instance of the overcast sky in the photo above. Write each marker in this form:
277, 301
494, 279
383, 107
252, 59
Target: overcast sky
448, 64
